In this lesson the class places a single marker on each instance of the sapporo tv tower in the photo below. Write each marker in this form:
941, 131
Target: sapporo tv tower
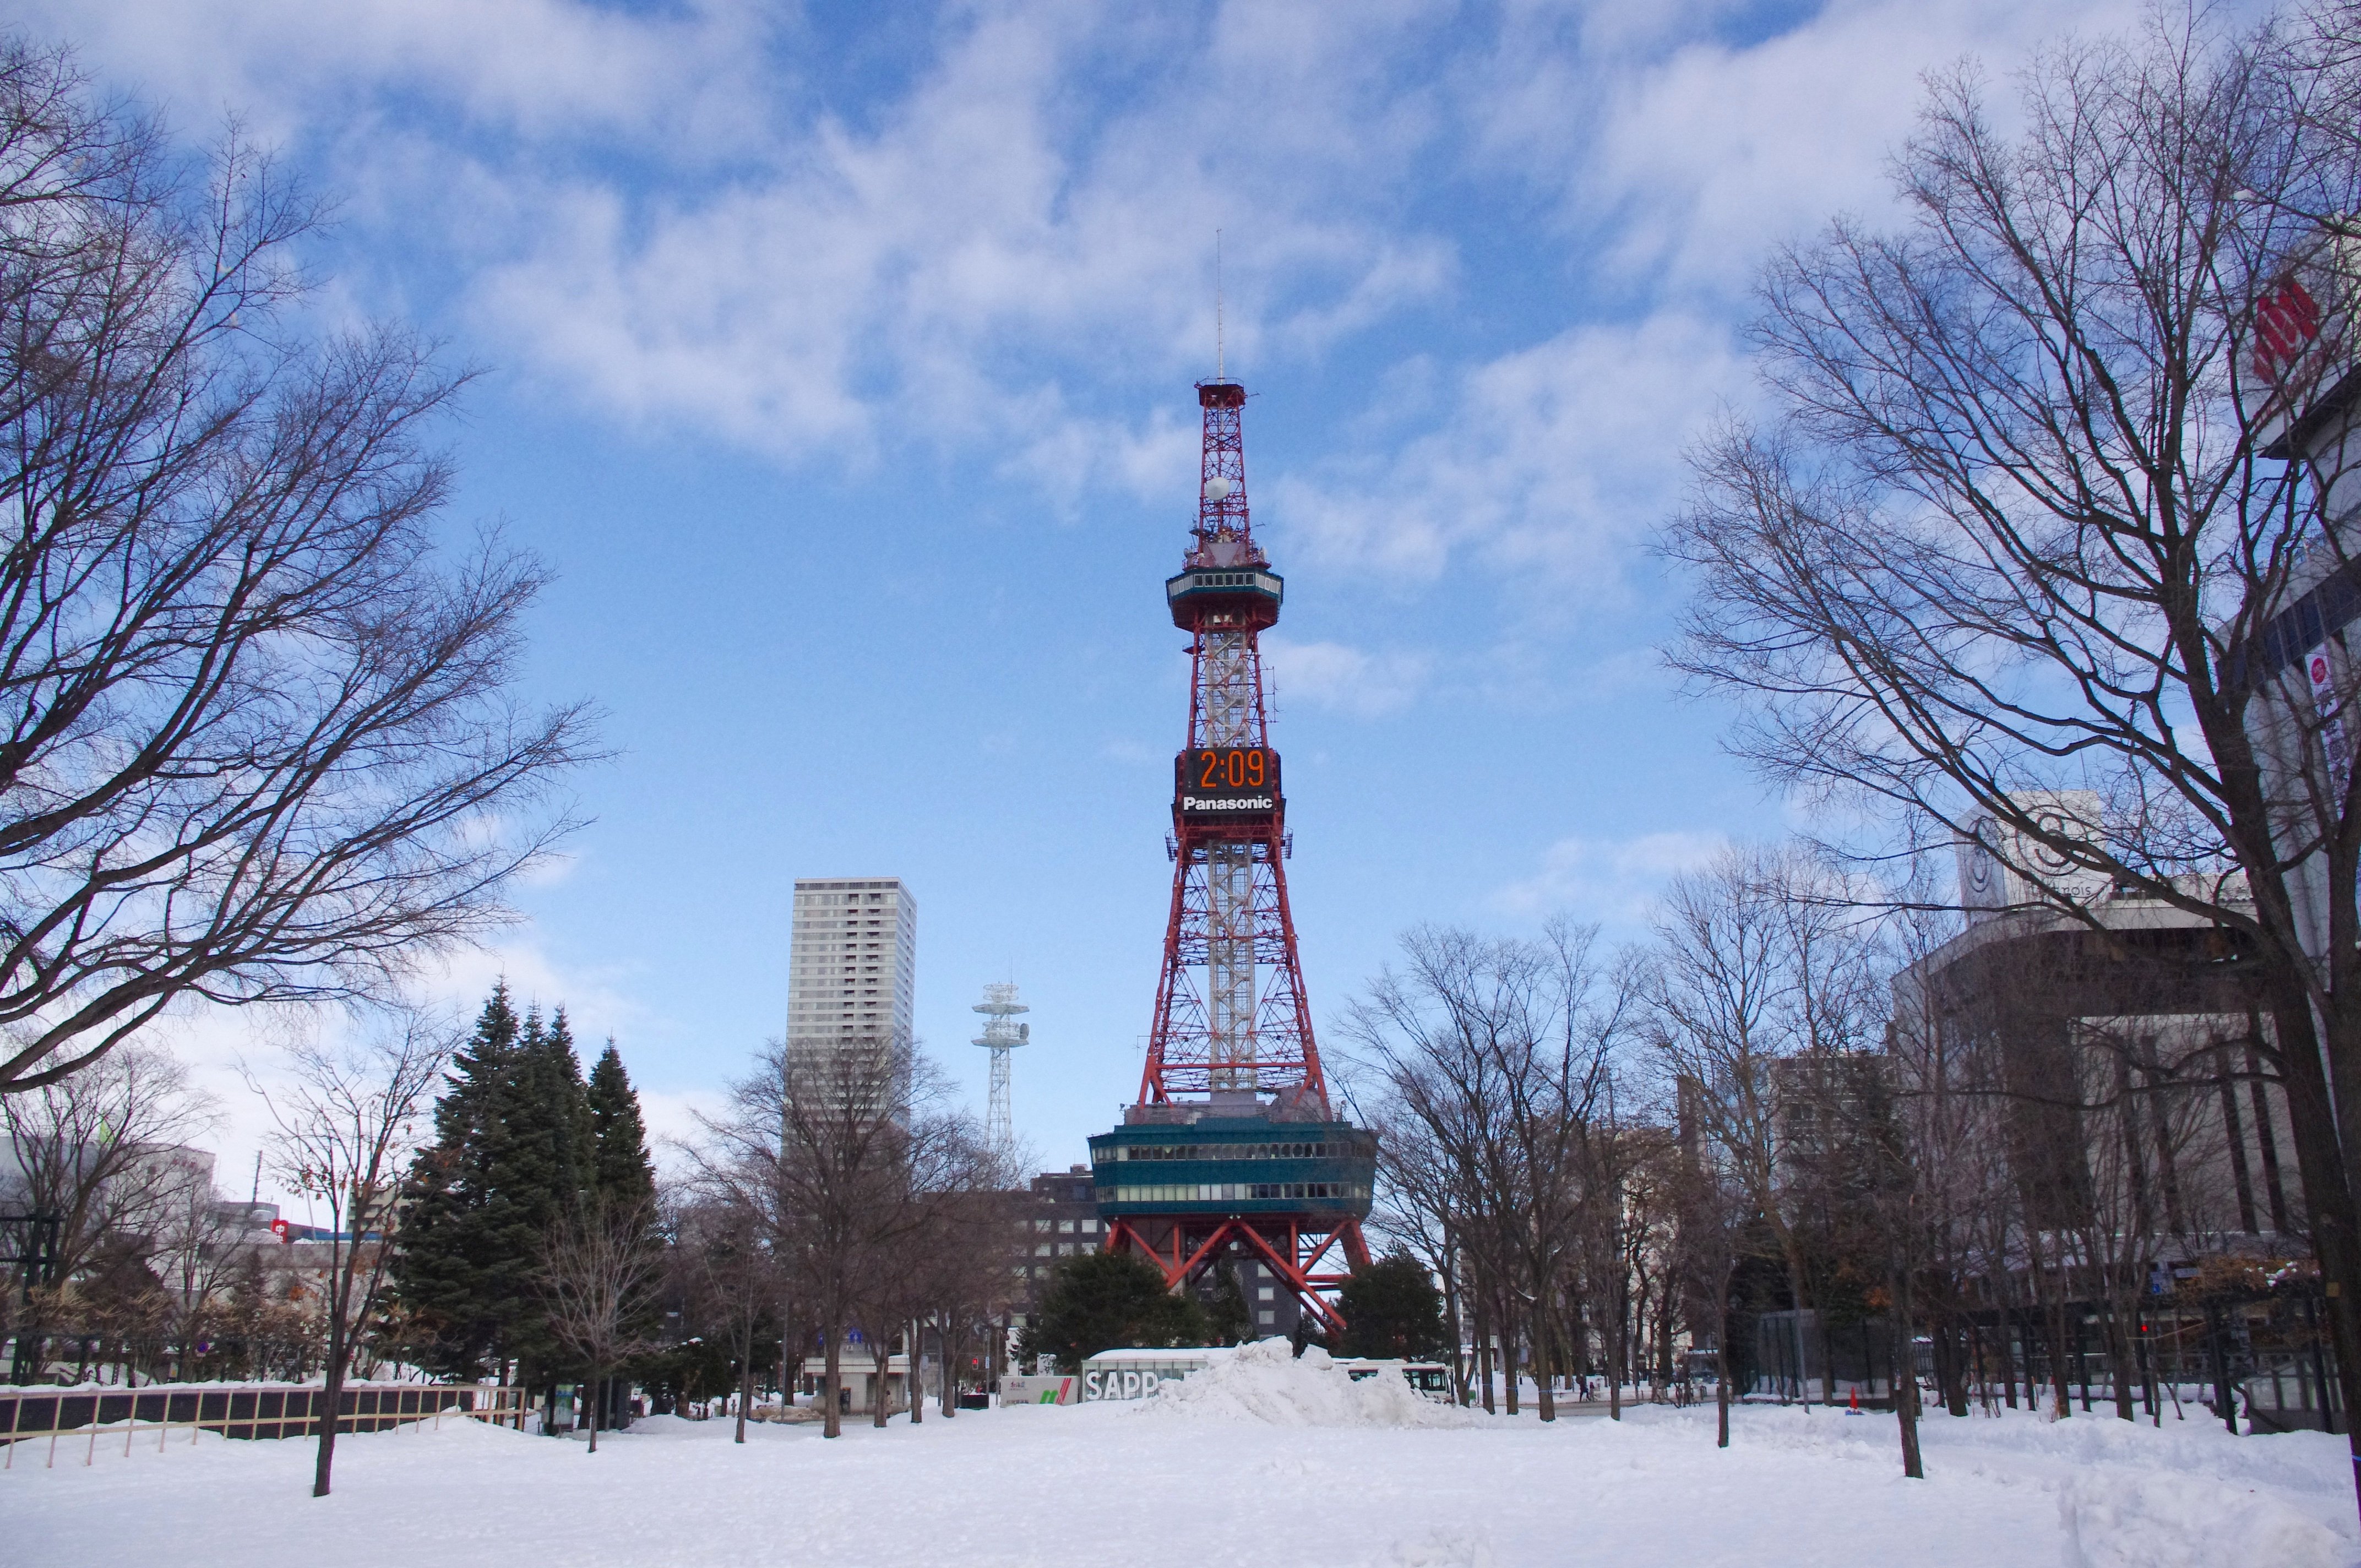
1232, 1156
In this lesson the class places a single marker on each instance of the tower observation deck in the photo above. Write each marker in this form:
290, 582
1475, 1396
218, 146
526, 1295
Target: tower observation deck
1231, 1154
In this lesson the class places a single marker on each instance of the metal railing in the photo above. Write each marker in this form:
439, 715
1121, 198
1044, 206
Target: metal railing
2290, 1392
243, 1412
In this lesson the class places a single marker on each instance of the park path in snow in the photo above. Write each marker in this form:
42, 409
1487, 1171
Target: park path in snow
1135, 1486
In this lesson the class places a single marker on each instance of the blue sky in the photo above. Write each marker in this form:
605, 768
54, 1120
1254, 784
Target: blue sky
839, 359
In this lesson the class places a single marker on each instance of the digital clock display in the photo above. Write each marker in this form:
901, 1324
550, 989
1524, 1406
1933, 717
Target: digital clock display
1225, 782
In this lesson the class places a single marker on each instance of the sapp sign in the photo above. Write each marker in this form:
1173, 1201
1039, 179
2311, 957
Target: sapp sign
1124, 1383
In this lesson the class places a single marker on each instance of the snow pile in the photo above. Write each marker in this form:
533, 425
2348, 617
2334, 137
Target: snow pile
1266, 1382
2128, 1520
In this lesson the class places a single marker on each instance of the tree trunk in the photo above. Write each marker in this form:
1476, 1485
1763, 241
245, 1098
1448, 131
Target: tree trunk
1721, 1360
1484, 1361
595, 1386
2061, 1374
332, 1394
1615, 1355
2051, 1310
2328, 1193
1544, 1360
950, 1366
1664, 1334
1905, 1376
1795, 1293
917, 1389
788, 1375
2009, 1320
1721, 1388
831, 1393
880, 1405
1950, 1358
1510, 1344
745, 1384
2119, 1353
1451, 1315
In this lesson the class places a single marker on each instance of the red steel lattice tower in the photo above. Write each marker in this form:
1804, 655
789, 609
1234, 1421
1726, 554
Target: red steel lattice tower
1233, 1158
1231, 1014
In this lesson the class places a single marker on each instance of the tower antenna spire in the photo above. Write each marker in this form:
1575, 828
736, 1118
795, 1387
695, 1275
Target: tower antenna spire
1219, 363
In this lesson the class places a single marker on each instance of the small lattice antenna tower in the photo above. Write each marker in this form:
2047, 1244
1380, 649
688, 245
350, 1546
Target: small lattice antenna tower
1000, 1036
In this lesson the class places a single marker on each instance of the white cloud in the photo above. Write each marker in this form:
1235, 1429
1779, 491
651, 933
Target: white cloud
688, 219
672, 1119
953, 269
1697, 152
1546, 462
1613, 881
541, 68
1549, 462
1345, 679
661, 216
222, 1044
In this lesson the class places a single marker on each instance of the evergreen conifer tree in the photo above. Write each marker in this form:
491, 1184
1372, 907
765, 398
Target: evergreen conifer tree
1229, 1319
622, 1178
444, 1268
544, 1173
621, 1169
1394, 1311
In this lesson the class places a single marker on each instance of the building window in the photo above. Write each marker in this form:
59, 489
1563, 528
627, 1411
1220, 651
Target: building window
1266, 1294
1065, 1249
1042, 1250
1041, 1225
1065, 1227
1265, 1318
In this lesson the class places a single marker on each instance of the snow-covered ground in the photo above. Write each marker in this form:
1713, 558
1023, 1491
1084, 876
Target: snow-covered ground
1223, 1478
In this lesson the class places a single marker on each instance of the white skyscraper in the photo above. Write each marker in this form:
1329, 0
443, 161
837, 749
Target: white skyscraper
852, 963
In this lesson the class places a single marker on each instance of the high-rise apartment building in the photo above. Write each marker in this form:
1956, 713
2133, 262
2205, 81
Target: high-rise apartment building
852, 964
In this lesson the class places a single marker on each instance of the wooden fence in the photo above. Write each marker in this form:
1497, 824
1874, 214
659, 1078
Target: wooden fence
244, 1411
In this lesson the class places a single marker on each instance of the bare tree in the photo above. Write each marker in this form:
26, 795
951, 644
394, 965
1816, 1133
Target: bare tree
1423, 1048
345, 1116
969, 1288
595, 1270
938, 1187
1565, 1138
1770, 996
843, 1150
1724, 1006
1487, 1067
732, 1277
1421, 1205
1710, 1210
200, 1243
102, 1153
254, 728
2027, 517
90, 1149
1949, 1102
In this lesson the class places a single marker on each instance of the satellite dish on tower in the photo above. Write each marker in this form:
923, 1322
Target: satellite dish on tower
1217, 489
